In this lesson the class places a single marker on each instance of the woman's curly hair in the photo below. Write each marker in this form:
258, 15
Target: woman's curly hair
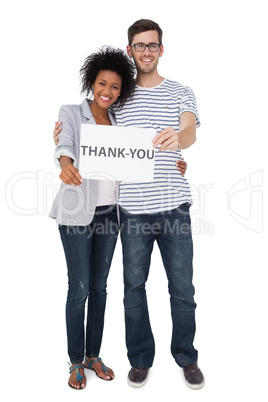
108, 58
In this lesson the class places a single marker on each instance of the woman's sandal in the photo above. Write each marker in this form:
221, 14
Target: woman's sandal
79, 377
103, 367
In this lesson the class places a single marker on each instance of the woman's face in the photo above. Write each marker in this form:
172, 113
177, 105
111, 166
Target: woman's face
107, 88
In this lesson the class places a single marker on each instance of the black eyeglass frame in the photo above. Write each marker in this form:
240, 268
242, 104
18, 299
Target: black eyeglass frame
145, 46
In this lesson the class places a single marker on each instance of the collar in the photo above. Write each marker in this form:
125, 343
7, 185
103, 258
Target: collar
86, 110
88, 114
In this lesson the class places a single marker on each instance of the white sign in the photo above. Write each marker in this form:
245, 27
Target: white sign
116, 153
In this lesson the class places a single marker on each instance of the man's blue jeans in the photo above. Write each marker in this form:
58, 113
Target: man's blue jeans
172, 231
88, 251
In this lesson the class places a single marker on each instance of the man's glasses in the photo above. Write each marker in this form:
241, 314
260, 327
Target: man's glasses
140, 47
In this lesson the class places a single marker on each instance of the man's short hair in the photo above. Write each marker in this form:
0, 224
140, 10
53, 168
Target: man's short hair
144, 25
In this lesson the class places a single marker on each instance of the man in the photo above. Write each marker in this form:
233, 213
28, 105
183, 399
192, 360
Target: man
159, 210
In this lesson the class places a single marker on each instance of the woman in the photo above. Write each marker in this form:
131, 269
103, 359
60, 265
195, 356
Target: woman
86, 212
83, 208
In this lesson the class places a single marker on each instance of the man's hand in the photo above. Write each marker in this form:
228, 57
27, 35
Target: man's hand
171, 140
168, 140
56, 132
69, 174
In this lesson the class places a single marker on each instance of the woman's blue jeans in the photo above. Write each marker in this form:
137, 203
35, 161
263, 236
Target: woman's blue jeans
88, 251
172, 231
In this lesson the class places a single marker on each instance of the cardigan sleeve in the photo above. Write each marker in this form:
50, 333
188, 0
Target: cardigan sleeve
66, 144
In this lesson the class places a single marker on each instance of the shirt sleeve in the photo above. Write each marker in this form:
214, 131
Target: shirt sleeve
188, 104
66, 137
62, 152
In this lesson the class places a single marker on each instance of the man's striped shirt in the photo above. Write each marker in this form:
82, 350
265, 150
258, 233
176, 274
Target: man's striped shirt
158, 107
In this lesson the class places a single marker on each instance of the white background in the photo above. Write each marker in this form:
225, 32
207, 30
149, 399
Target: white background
219, 49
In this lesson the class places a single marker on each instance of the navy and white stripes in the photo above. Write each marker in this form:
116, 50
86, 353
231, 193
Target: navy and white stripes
158, 107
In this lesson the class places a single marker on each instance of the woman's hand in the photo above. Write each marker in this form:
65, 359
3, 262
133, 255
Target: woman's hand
56, 132
181, 166
69, 174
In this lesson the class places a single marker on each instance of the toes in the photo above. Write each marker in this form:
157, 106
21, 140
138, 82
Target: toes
77, 384
83, 383
74, 384
110, 375
103, 375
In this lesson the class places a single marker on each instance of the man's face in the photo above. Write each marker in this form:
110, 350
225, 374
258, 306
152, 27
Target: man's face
146, 61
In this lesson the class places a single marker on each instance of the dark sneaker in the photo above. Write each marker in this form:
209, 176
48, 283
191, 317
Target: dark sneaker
193, 376
137, 376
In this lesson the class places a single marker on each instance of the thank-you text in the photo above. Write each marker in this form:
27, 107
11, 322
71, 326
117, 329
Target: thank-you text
119, 153
114, 152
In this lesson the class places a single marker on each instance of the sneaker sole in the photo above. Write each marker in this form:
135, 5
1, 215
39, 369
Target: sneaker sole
137, 384
195, 386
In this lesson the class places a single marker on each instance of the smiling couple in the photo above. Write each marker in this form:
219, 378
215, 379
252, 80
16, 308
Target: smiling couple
142, 98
